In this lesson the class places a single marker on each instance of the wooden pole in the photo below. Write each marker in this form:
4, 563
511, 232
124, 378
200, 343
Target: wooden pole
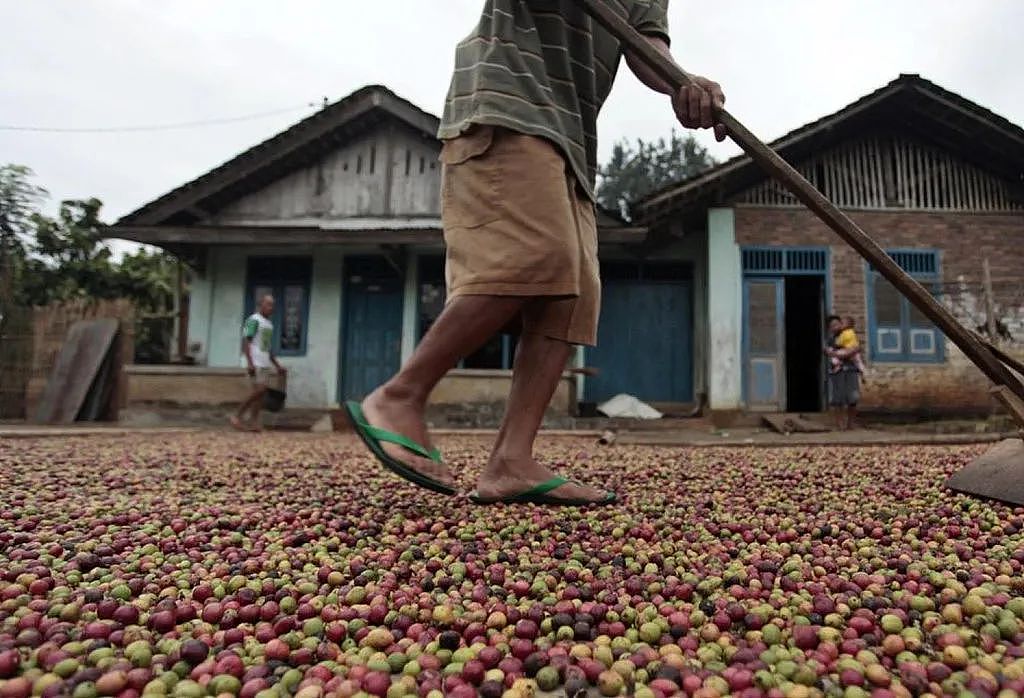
838, 221
990, 302
1013, 363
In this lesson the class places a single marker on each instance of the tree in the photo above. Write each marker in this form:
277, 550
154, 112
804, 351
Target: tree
47, 259
68, 257
149, 278
19, 202
633, 173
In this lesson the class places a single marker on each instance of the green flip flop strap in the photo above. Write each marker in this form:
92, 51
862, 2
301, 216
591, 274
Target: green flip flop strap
391, 437
545, 487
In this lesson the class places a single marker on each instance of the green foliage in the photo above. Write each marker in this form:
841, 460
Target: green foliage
51, 259
19, 201
148, 278
68, 258
633, 173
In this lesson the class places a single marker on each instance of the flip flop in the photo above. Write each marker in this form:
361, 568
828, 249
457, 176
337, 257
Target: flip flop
539, 495
373, 437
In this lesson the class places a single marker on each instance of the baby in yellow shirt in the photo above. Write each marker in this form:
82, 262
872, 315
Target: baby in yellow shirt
847, 348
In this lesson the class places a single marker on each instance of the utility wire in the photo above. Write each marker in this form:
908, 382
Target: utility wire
156, 127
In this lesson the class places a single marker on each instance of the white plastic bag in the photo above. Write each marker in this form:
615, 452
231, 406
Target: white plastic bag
629, 407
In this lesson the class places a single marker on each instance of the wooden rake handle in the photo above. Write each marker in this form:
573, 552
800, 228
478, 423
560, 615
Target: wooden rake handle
835, 219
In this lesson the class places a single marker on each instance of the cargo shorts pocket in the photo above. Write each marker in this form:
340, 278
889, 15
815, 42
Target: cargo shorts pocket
470, 178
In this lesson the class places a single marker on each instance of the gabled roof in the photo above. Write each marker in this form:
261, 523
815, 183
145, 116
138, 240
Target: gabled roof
290, 149
274, 157
910, 104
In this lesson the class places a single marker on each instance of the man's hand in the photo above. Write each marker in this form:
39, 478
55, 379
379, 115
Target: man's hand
251, 370
696, 107
282, 370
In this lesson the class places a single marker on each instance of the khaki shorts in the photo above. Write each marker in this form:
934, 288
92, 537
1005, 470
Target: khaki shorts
263, 376
516, 224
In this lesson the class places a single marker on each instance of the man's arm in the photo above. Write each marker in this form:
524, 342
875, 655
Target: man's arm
247, 352
694, 107
279, 367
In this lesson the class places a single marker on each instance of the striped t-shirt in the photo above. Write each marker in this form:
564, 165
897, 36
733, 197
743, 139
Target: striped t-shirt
543, 68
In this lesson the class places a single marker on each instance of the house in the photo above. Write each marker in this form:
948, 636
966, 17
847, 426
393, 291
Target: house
935, 179
338, 217
715, 293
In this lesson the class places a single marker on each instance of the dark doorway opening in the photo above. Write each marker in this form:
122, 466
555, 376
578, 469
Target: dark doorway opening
804, 340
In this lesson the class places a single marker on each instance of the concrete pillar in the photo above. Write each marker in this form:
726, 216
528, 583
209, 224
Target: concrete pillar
227, 266
200, 293
579, 360
324, 330
410, 304
725, 312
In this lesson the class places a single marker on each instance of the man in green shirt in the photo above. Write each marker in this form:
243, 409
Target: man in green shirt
519, 163
259, 362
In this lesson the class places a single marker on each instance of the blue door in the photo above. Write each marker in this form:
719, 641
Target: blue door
372, 326
644, 341
764, 350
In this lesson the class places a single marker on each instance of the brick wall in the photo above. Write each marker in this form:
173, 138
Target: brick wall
955, 386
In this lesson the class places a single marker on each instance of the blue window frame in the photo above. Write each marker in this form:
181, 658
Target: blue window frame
287, 279
785, 260
899, 332
769, 261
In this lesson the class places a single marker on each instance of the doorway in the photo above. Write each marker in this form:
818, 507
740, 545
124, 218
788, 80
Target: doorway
805, 309
783, 340
371, 325
645, 334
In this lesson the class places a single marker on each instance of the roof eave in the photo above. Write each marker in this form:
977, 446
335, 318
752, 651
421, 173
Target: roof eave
218, 235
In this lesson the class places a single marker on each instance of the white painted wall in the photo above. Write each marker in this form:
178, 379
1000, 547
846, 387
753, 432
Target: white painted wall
199, 308
725, 312
218, 300
312, 378
228, 306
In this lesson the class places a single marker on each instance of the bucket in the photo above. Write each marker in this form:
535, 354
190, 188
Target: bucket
273, 400
275, 395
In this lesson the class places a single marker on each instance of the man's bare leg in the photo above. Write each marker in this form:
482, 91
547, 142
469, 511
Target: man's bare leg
511, 470
257, 406
239, 420
398, 405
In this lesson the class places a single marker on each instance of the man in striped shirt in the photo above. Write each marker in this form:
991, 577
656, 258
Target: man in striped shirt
519, 165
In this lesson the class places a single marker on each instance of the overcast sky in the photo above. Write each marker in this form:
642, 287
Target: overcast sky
126, 63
